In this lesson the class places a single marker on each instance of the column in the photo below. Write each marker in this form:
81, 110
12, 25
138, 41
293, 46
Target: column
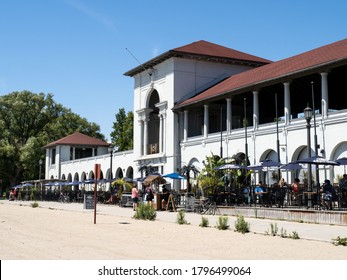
163, 141
185, 126
229, 116
325, 94
206, 125
140, 122
145, 136
255, 109
287, 109
160, 133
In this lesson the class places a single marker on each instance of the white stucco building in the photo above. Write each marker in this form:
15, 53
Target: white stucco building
191, 101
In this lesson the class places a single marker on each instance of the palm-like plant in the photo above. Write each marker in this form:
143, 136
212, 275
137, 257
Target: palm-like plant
186, 171
210, 177
147, 169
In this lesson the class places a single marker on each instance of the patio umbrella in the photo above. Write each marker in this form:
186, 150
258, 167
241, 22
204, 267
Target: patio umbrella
27, 185
265, 165
317, 160
230, 166
292, 166
342, 161
174, 175
154, 177
74, 183
89, 181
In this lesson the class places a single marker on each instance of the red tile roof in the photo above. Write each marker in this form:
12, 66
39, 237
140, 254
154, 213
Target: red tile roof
209, 49
202, 50
78, 138
328, 54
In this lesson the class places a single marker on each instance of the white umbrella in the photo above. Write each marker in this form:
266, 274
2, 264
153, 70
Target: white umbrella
342, 161
230, 166
265, 165
317, 160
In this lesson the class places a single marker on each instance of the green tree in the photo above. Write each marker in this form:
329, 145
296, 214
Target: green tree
122, 134
210, 178
28, 121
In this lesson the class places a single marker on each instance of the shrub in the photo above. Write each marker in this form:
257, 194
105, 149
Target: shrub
181, 217
204, 222
273, 230
241, 225
294, 235
339, 241
145, 212
34, 204
222, 223
283, 233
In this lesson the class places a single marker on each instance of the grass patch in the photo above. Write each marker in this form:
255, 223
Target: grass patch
34, 204
204, 222
273, 230
339, 241
181, 217
222, 223
145, 212
294, 235
241, 225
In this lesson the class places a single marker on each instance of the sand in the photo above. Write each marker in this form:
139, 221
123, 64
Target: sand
51, 234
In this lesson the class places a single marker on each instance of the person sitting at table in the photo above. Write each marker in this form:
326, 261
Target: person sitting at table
295, 189
326, 194
278, 193
343, 188
261, 194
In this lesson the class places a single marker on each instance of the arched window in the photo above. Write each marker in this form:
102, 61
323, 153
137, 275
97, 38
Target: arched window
153, 124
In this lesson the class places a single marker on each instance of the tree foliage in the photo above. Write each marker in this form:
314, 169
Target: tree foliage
122, 134
188, 170
28, 121
210, 178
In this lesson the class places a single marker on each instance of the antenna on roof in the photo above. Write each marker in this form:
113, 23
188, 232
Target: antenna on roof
149, 71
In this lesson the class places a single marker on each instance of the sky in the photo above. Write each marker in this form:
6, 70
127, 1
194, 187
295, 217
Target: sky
78, 50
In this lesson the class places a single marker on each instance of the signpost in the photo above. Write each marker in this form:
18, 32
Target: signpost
97, 168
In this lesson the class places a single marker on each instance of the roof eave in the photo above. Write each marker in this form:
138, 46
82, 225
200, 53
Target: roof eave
263, 83
173, 53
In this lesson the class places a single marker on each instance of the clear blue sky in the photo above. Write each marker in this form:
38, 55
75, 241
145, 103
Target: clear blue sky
76, 49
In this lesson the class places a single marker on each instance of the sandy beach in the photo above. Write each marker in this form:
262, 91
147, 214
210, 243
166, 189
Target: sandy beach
62, 234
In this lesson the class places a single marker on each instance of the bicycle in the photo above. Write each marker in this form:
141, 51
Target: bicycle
64, 198
208, 207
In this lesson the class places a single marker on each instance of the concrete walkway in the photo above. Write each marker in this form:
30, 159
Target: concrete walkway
309, 231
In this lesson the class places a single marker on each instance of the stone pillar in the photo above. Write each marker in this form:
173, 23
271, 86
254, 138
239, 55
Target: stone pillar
160, 133
325, 94
255, 109
140, 122
145, 134
185, 126
206, 125
287, 108
229, 116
